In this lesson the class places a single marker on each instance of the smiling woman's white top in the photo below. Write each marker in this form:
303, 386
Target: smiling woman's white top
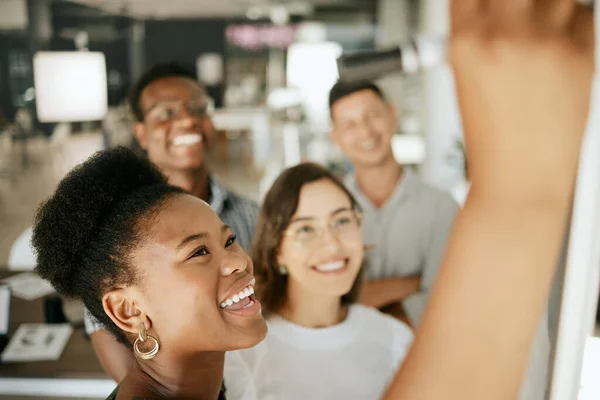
353, 360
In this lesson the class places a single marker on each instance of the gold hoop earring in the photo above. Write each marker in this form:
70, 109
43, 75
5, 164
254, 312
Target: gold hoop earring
142, 338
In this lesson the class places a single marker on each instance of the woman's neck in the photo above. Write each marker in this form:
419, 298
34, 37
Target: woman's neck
195, 182
198, 377
312, 310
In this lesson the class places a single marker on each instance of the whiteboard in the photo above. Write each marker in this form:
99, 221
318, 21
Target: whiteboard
582, 276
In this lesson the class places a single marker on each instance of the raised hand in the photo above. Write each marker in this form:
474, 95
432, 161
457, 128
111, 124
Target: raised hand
523, 71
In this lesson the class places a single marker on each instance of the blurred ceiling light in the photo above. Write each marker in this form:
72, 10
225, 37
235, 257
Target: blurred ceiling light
209, 68
70, 86
279, 15
255, 12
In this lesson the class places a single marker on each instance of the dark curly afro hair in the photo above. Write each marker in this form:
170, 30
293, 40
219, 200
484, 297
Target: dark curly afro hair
85, 233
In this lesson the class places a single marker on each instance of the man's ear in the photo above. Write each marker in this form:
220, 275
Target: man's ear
122, 308
139, 130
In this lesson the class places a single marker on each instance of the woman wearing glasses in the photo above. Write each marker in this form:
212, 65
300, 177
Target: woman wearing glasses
309, 255
154, 265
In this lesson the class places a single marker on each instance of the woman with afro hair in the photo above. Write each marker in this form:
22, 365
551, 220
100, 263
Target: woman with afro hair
156, 266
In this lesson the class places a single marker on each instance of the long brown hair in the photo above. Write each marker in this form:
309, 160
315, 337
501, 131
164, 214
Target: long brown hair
279, 205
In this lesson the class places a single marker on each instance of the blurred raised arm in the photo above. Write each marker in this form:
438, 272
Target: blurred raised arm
523, 71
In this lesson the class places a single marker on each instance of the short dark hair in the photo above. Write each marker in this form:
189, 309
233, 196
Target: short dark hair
85, 233
343, 88
279, 205
156, 72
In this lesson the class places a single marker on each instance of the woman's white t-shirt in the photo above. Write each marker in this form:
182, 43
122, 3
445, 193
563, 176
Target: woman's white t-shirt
353, 360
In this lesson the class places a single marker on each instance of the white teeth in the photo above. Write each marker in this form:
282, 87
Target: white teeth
187, 139
246, 292
242, 294
332, 266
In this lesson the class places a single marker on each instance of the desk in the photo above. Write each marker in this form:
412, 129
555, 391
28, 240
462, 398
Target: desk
77, 373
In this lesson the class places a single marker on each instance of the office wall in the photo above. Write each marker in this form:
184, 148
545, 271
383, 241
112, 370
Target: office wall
183, 41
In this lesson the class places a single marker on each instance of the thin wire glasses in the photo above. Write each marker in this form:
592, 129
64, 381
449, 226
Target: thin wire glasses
308, 231
168, 111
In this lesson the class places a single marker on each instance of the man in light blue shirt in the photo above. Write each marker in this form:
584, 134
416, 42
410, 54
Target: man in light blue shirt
406, 220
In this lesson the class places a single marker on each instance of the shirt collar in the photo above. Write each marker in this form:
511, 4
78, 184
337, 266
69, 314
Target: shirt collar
403, 188
218, 194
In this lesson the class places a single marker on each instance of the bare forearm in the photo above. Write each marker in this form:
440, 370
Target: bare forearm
523, 73
115, 358
504, 255
381, 292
